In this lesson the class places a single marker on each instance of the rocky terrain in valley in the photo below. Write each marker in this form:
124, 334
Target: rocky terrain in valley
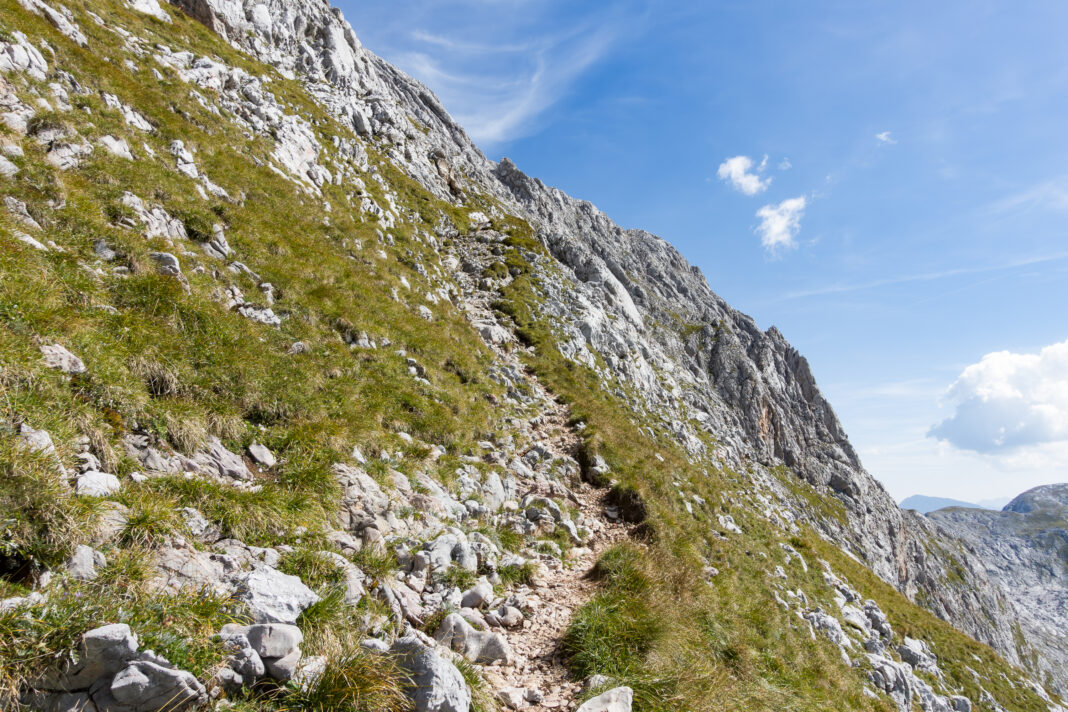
307, 404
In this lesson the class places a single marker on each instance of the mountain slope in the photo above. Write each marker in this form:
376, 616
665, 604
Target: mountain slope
924, 504
280, 345
1025, 549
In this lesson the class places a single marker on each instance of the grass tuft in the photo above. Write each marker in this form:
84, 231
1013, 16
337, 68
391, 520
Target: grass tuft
41, 520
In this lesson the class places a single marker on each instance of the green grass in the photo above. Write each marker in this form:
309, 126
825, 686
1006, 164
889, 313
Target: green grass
41, 521
177, 626
514, 574
459, 577
482, 698
313, 568
505, 538
356, 681
376, 564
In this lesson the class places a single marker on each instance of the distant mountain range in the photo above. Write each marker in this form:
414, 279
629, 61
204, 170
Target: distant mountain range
924, 504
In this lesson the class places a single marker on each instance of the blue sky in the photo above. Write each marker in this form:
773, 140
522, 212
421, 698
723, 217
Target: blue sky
885, 182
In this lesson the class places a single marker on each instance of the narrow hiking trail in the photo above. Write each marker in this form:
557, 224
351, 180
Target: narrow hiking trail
561, 587
539, 663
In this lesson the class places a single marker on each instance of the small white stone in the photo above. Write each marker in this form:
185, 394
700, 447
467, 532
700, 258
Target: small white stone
97, 484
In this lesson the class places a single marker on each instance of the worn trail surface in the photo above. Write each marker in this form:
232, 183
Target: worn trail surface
561, 587
539, 663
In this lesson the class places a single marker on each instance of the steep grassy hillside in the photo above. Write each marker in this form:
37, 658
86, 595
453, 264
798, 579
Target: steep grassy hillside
334, 333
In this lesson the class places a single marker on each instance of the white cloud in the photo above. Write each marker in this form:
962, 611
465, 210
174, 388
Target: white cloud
785, 165
738, 172
884, 137
779, 224
1009, 403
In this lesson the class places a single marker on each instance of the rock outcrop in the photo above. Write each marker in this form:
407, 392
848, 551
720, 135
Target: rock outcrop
111, 674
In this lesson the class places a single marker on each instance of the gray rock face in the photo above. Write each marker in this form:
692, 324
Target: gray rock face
84, 562
1024, 548
103, 651
478, 595
157, 222
435, 685
274, 641
918, 655
166, 264
21, 56
505, 617
244, 663
223, 462
364, 503
261, 455
97, 484
146, 686
261, 649
895, 679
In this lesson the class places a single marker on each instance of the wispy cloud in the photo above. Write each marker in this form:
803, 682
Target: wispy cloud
455, 45
779, 224
921, 277
1049, 194
884, 137
500, 90
741, 174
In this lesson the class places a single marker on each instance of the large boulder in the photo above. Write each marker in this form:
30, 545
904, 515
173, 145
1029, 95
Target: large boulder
434, 684
110, 675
